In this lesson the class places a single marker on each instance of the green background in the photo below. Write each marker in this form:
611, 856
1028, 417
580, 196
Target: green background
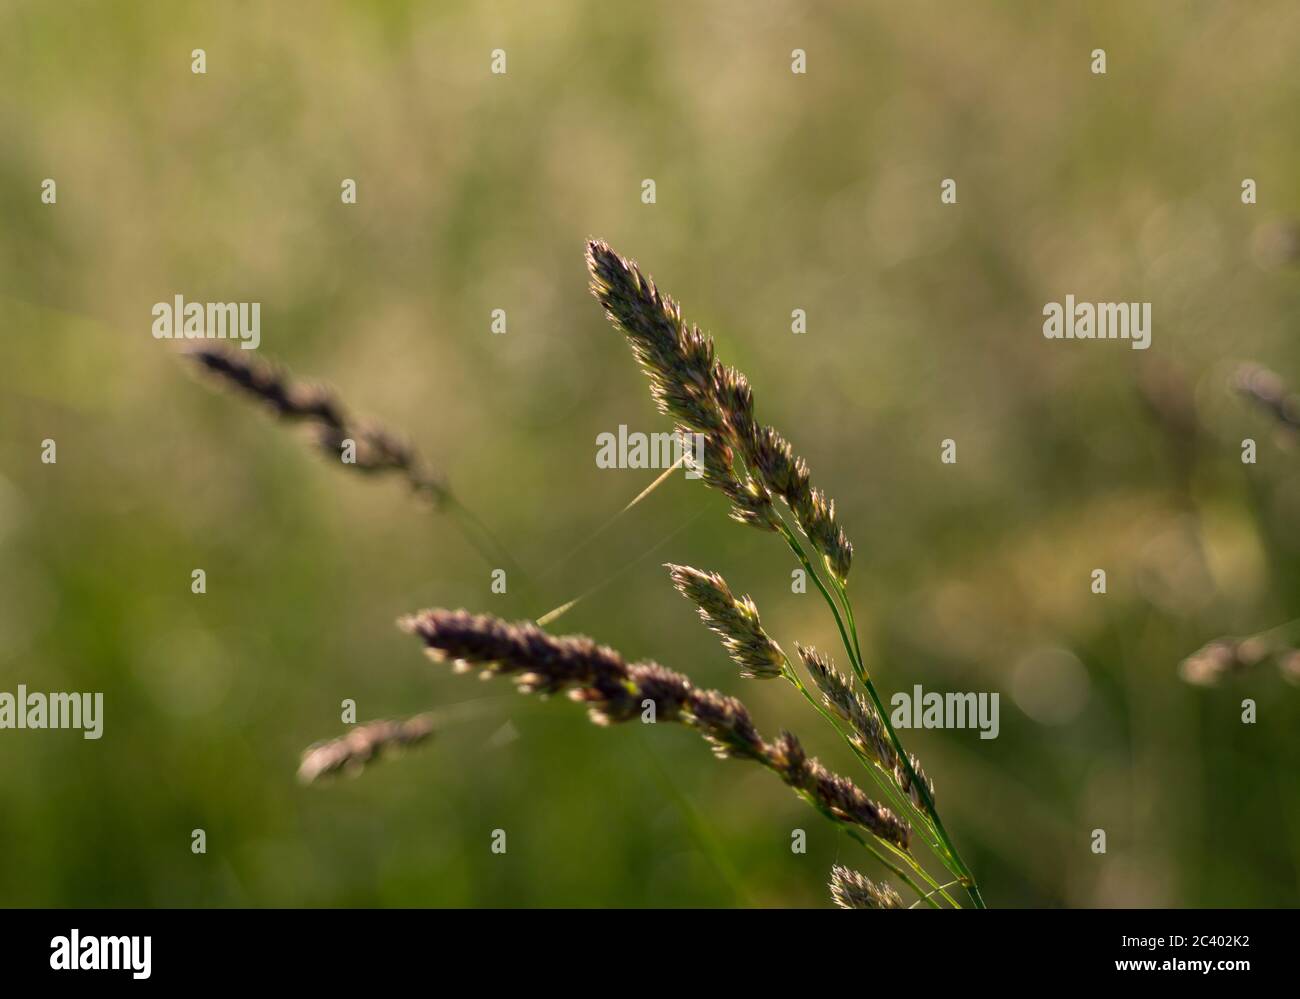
775, 191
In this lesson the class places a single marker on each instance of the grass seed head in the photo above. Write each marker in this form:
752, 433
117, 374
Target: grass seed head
616, 691
733, 619
690, 385
377, 449
361, 746
869, 734
851, 890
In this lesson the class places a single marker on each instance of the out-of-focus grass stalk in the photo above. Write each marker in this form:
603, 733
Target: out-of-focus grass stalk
378, 450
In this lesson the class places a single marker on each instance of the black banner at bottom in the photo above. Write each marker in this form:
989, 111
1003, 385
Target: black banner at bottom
339, 948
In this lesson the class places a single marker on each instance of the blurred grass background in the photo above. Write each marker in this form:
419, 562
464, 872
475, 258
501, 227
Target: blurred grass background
775, 191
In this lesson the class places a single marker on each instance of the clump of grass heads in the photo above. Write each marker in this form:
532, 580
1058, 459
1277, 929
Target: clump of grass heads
770, 488
616, 691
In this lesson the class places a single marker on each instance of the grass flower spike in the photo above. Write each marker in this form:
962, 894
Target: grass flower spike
869, 733
374, 449
351, 753
705, 397
733, 619
377, 449
851, 890
616, 691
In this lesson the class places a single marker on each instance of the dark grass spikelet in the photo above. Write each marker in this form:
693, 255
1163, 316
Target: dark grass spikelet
833, 794
270, 384
377, 449
733, 619
851, 890
542, 664
707, 397
361, 746
616, 691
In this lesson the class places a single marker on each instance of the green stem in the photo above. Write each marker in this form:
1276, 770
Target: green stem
858, 671
925, 875
926, 897
855, 658
792, 675
941, 887
480, 537
884, 781
902, 855
967, 878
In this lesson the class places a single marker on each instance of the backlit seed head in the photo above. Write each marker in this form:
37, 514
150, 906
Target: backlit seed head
851, 890
689, 384
733, 619
910, 788
736, 399
614, 691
